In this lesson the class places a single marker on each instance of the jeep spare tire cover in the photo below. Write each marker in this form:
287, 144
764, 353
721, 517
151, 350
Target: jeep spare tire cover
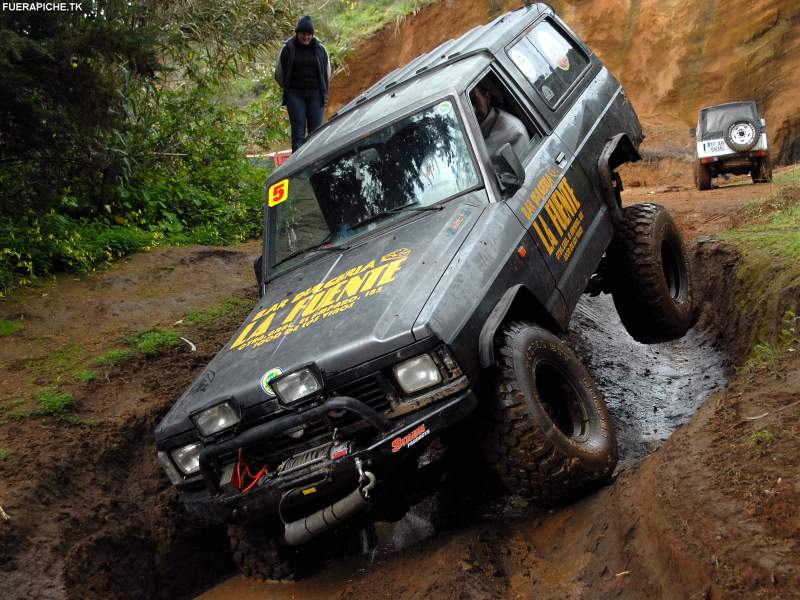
741, 134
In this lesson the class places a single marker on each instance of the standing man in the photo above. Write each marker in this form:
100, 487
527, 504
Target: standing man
303, 71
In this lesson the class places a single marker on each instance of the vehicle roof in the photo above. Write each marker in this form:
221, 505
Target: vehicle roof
414, 85
727, 104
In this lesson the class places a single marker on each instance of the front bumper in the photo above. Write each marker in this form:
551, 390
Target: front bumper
398, 442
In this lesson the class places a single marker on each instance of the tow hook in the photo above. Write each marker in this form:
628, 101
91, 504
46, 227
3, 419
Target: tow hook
364, 477
300, 531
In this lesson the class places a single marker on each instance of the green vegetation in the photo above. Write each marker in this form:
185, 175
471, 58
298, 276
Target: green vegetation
758, 442
86, 376
112, 357
58, 364
114, 138
126, 124
234, 308
353, 20
768, 356
10, 327
769, 241
154, 341
5, 455
788, 176
77, 421
54, 403
775, 229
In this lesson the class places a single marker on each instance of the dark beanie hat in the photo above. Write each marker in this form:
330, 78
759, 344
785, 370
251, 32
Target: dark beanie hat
304, 25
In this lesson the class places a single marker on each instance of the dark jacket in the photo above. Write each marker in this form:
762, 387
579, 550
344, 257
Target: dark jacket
283, 68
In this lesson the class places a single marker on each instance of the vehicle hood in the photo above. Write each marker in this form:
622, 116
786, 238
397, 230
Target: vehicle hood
337, 311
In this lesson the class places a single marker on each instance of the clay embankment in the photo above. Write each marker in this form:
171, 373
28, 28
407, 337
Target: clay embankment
672, 57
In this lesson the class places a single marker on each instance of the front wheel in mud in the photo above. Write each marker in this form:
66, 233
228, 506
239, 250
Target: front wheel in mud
702, 177
551, 437
258, 555
651, 283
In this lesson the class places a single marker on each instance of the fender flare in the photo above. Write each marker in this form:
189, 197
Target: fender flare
617, 151
513, 299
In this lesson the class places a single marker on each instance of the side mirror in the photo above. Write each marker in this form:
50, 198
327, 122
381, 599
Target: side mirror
693, 131
510, 173
763, 121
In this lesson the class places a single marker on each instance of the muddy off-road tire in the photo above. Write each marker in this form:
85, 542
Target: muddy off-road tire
258, 556
702, 177
762, 170
651, 282
551, 438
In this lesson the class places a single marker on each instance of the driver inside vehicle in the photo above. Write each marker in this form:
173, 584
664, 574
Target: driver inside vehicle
498, 126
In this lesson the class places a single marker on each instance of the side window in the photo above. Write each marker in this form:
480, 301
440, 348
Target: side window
550, 61
502, 119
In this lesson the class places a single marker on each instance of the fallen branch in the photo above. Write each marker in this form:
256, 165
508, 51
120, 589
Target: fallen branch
756, 418
781, 409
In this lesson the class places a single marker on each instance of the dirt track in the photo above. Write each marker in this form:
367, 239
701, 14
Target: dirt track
92, 493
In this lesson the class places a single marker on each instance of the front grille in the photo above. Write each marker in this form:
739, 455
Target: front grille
371, 390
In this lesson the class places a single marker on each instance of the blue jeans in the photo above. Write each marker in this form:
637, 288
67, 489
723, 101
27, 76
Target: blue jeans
304, 106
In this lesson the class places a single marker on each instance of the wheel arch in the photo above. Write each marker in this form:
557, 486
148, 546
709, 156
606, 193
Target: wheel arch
518, 303
618, 150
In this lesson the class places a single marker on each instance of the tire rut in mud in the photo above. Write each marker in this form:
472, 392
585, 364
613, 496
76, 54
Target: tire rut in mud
650, 390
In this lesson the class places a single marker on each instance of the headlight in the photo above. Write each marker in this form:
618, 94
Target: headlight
187, 458
216, 419
417, 374
296, 386
169, 468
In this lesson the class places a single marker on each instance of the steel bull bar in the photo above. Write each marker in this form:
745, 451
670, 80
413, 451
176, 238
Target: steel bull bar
265, 430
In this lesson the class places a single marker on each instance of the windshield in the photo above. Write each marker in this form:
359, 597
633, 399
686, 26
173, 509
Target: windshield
714, 121
411, 164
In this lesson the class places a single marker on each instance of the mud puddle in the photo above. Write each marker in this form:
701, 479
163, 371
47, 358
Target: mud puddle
650, 391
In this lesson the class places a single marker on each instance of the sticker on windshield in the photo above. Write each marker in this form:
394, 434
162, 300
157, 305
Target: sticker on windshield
553, 49
524, 64
267, 377
444, 108
278, 192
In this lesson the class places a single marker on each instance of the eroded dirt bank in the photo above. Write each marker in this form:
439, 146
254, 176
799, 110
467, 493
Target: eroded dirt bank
672, 57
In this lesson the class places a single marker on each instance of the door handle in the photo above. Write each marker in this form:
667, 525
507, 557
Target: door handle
560, 158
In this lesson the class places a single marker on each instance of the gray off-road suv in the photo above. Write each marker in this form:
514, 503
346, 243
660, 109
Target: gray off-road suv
731, 139
412, 280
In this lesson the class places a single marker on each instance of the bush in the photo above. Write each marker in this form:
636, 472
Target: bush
10, 327
154, 341
54, 403
112, 357
37, 245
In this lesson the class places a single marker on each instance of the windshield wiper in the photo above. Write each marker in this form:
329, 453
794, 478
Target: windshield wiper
394, 211
320, 247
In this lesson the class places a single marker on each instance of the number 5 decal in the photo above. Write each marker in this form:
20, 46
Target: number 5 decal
278, 192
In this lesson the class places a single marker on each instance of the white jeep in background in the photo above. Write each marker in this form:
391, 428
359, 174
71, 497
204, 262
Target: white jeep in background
731, 138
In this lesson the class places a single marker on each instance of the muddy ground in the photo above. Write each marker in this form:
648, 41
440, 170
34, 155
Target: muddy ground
712, 514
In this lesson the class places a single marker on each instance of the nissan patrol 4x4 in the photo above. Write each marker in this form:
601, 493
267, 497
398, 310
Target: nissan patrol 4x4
405, 271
